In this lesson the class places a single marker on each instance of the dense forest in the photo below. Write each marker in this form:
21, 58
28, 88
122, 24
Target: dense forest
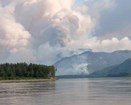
26, 71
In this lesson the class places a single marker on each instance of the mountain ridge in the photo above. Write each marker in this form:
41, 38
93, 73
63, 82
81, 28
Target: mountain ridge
89, 62
123, 69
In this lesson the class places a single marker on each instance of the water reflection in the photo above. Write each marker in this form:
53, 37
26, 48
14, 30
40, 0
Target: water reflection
100, 91
96, 91
24, 93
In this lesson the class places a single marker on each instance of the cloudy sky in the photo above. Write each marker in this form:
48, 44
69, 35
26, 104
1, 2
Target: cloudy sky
42, 31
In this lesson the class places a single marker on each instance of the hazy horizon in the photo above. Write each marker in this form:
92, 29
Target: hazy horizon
41, 31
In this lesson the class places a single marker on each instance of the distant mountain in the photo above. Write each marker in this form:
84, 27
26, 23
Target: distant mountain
70, 52
89, 62
123, 69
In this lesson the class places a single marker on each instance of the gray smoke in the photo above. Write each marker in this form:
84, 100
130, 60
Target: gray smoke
41, 31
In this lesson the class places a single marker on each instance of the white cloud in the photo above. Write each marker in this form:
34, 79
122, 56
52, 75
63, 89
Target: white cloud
38, 30
110, 45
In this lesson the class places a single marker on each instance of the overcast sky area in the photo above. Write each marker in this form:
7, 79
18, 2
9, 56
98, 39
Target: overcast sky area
42, 31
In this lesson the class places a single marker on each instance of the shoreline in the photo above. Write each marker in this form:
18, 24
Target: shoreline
23, 81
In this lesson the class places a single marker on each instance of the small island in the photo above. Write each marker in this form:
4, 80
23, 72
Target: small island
24, 71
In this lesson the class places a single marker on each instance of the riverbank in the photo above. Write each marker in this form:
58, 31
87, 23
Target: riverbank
30, 80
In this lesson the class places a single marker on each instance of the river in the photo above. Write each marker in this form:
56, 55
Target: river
82, 91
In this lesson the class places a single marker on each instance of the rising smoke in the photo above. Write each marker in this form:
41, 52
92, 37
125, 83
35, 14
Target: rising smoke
41, 31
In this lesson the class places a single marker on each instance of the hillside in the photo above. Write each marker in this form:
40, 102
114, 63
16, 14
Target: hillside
123, 69
89, 62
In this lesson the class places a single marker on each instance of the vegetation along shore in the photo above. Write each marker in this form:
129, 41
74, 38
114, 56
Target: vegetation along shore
22, 72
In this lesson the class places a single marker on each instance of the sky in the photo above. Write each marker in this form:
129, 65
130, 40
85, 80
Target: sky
43, 31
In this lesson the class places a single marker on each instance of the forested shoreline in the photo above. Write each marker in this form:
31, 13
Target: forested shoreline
10, 71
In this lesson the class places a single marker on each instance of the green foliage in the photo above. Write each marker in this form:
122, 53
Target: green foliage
23, 70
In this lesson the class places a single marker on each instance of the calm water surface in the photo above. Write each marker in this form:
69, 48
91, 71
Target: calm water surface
98, 91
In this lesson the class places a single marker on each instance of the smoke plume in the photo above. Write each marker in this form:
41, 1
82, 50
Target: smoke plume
42, 31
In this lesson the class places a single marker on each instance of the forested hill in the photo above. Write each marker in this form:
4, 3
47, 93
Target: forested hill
121, 70
26, 71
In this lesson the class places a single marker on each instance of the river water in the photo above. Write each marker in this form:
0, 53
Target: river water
87, 91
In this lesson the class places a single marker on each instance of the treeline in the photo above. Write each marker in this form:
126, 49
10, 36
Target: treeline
24, 70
